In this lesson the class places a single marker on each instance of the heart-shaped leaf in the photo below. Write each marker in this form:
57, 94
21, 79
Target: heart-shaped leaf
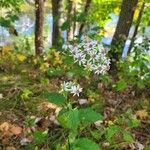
55, 98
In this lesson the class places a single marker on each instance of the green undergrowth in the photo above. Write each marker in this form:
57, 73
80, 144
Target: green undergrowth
30, 92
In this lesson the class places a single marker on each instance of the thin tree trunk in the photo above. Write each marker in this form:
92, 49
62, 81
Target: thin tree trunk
39, 22
69, 20
56, 12
87, 5
12, 30
122, 30
137, 26
74, 22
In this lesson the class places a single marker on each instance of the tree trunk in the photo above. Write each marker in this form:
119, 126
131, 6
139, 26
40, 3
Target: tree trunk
56, 12
137, 26
74, 22
122, 30
87, 5
12, 30
39, 22
70, 15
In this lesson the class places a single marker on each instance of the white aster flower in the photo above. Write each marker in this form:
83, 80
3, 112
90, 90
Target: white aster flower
71, 87
98, 69
101, 69
65, 87
74, 50
76, 90
89, 66
93, 56
80, 58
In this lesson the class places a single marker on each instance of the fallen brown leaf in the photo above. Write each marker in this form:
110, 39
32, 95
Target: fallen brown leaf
142, 114
9, 130
10, 148
47, 106
4, 127
16, 130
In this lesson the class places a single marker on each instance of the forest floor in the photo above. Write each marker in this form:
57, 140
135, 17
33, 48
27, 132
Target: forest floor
21, 101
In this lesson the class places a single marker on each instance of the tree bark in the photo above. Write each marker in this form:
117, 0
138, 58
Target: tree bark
122, 30
39, 22
87, 5
12, 30
74, 22
56, 12
137, 26
70, 14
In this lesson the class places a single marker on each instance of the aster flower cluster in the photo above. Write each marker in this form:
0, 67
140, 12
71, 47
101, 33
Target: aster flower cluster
71, 87
90, 54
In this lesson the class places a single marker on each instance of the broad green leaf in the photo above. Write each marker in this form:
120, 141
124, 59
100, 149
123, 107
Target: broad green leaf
147, 147
55, 98
40, 136
133, 123
111, 131
89, 116
69, 118
127, 136
85, 144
